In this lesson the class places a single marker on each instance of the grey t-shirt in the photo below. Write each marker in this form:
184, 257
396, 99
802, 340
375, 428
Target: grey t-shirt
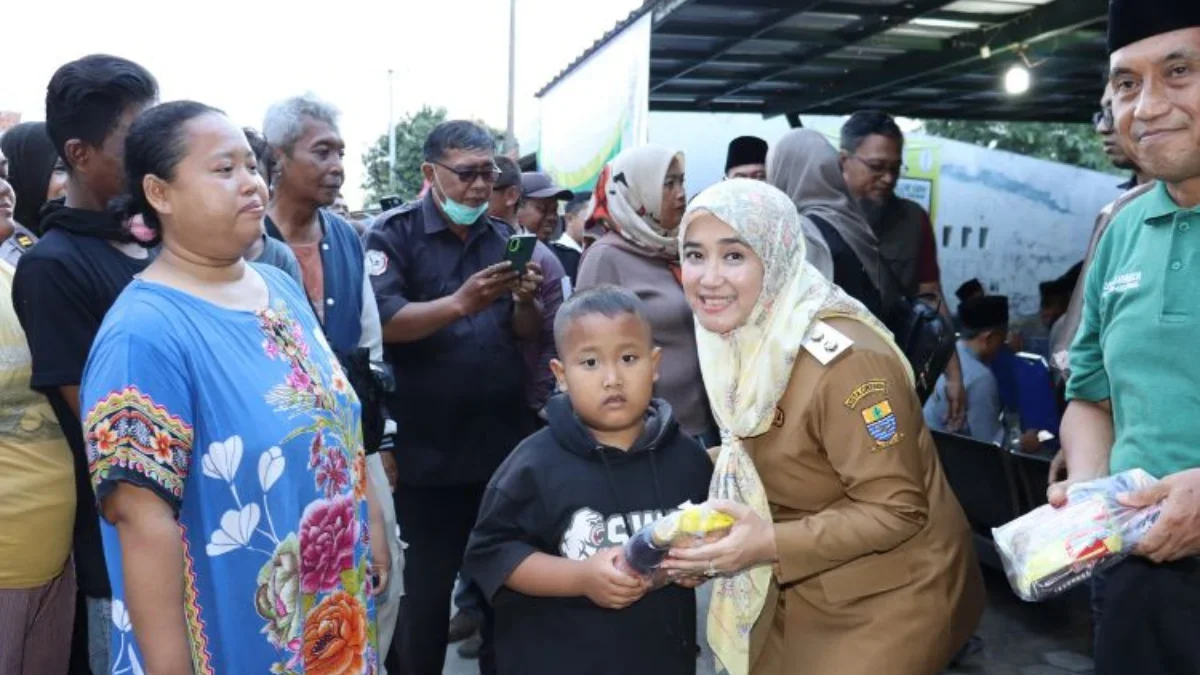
278, 254
983, 400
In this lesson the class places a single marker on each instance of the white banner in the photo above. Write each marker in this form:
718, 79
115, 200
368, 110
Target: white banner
601, 108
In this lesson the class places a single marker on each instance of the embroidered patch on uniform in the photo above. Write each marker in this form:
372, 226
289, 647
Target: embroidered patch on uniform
881, 424
864, 390
377, 263
24, 241
779, 417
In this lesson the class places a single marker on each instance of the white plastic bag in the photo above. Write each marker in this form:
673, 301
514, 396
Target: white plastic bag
1049, 550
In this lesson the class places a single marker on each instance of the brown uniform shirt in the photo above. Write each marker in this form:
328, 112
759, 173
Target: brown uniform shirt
877, 571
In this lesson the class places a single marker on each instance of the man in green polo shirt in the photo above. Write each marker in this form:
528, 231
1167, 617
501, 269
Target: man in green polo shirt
1135, 379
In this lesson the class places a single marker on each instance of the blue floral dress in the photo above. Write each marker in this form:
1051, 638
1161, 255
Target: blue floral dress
246, 425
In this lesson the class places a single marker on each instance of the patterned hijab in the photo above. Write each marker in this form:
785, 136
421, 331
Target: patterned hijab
747, 371
628, 199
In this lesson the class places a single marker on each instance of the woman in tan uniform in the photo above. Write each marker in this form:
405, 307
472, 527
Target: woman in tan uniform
850, 554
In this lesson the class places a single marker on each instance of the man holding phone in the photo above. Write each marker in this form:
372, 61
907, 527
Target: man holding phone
509, 197
454, 313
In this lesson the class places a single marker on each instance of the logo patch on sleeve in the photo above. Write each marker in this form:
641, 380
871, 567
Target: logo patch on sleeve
881, 425
377, 262
864, 390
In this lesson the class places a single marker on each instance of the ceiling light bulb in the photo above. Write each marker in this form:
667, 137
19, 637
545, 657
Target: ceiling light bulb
1017, 80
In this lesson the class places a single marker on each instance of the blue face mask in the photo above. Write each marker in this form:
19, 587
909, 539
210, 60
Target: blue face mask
459, 214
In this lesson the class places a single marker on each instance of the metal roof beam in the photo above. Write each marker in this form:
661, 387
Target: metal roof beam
1039, 24
867, 27
911, 13
690, 107
771, 21
706, 31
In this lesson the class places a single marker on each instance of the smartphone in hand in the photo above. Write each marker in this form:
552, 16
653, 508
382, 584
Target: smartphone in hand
519, 251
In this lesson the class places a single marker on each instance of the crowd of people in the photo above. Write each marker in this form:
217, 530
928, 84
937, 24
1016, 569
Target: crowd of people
248, 434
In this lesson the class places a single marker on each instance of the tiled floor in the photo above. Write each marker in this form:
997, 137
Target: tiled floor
1019, 638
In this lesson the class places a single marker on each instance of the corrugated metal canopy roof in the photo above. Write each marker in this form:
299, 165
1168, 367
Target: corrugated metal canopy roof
917, 58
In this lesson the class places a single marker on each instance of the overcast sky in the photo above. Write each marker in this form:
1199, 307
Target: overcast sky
242, 55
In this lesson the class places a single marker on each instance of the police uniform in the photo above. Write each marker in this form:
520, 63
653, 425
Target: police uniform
877, 570
20, 241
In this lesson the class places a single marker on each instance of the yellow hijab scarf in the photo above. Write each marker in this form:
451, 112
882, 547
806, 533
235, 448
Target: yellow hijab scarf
746, 373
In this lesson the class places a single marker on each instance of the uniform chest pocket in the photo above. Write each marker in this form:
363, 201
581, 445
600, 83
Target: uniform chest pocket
427, 283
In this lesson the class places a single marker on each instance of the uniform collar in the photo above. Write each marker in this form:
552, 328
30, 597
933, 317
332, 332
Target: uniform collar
1161, 208
568, 242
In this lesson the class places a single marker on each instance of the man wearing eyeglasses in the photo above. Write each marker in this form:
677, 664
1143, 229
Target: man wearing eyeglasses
1138, 184
453, 318
872, 148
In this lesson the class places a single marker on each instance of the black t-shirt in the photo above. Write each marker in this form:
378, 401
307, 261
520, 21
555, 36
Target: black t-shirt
561, 494
62, 289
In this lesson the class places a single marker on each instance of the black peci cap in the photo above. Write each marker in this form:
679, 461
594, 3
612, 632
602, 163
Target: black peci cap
1131, 21
984, 312
745, 150
968, 289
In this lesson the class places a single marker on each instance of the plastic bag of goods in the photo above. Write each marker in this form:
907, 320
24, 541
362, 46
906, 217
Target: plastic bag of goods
688, 527
1049, 550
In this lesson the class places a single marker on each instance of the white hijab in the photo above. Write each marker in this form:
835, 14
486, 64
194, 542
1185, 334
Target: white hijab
634, 195
747, 372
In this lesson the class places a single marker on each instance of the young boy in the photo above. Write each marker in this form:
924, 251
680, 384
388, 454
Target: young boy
557, 511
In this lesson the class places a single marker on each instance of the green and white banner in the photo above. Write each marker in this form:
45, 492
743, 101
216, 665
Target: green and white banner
598, 110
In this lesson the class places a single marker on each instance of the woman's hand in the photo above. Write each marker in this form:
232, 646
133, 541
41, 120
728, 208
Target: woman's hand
750, 543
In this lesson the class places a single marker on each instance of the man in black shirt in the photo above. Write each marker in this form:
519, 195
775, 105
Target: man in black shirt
453, 317
64, 286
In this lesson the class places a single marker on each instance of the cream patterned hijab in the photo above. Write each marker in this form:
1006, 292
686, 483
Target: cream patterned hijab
746, 373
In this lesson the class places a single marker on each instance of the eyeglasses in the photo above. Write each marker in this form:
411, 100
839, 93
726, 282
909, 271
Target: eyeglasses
880, 167
468, 176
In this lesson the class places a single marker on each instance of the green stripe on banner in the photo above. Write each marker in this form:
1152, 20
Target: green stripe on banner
583, 179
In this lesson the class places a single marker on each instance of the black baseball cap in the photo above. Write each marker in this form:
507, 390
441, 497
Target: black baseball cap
510, 173
537, 185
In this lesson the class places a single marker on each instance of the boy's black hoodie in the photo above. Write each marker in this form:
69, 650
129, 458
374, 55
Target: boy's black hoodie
563, 494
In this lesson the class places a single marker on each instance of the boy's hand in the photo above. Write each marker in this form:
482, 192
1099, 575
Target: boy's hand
608, 586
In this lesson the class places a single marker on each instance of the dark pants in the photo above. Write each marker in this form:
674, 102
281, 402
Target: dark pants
435, 521
487, 650
1149, 621
79, 663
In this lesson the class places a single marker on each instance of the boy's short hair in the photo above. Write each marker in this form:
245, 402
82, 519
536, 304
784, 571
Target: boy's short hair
611, 301
86, 98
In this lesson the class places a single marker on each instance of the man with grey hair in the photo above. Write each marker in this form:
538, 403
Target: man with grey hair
307, 153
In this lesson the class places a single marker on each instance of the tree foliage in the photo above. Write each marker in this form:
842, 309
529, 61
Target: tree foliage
407, 180
1075, 144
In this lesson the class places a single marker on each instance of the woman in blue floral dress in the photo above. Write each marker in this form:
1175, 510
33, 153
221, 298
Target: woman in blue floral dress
223, 439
